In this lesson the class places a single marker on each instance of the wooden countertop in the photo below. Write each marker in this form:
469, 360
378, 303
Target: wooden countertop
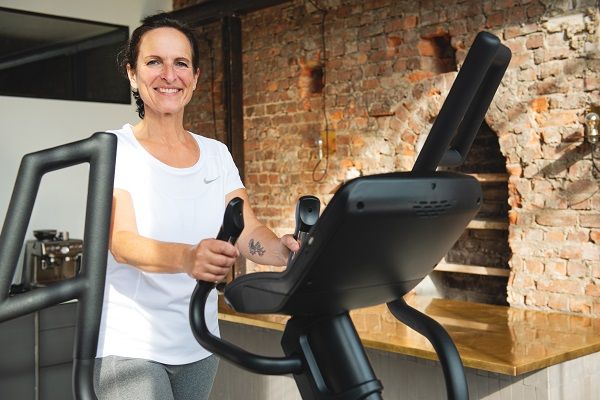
498, 339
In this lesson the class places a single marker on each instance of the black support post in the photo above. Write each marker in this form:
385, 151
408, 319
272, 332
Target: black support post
336, 366
231, 28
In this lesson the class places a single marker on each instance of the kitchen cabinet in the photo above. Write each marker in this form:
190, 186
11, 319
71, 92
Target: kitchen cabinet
37, 351
17, 363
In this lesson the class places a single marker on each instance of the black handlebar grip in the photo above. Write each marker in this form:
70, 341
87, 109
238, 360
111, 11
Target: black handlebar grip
233, 221
307, 214
231, 228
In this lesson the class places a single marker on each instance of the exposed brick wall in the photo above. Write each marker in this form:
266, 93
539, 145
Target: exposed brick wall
386, 79
205, 112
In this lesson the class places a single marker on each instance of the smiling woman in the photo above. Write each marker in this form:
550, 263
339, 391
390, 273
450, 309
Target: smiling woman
170, 191
164, 76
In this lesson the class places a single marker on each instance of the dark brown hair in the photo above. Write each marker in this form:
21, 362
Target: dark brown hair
130, 53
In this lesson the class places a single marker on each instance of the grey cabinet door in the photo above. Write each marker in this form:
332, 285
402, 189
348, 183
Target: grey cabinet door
56, 333
17, 359
18, 366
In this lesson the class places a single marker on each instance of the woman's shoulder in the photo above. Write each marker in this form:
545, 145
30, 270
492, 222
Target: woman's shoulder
209, 144
125, 137
123, 133
126, 142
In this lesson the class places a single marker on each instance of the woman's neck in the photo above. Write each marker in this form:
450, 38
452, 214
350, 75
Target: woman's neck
167, 140
161, 128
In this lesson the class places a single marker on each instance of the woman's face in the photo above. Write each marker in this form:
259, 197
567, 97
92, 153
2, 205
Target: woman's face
164, 75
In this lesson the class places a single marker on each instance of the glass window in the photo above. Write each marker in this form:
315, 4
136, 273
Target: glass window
53, 57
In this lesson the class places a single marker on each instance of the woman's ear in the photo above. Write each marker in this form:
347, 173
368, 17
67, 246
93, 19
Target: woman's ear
131, 76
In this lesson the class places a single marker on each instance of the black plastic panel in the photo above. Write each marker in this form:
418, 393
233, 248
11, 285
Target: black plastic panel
378, 237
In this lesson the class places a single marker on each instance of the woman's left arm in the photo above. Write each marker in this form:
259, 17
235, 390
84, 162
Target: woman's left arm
257, 242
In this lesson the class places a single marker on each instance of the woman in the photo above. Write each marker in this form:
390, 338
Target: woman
171, 188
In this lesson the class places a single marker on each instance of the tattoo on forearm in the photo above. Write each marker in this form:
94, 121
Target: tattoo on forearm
256, 247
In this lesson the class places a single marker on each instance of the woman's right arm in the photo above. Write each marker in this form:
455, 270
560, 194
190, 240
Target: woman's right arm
210, 260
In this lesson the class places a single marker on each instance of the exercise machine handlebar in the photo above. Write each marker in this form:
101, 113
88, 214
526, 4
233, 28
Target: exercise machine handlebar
88, 286
233, 224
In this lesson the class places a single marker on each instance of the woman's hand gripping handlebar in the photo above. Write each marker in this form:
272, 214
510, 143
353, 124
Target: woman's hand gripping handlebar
232, 227
233, 224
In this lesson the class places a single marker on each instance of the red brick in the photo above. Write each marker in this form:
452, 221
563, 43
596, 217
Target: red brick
556, 267
426, 48
595, 269
590, 251
536, 299
535, 10
591, 82
410, 21
555, 236
580, 306
592, 289
577, 269
570, 252
496, 19
523, 281
369, 84
579, 236
540, 104
534, 41
534, 267
516, 16
557, 219
561, 286
590, 220
557, 118
419, 75
558, 302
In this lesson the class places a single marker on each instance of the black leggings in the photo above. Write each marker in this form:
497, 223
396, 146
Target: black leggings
120, 378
